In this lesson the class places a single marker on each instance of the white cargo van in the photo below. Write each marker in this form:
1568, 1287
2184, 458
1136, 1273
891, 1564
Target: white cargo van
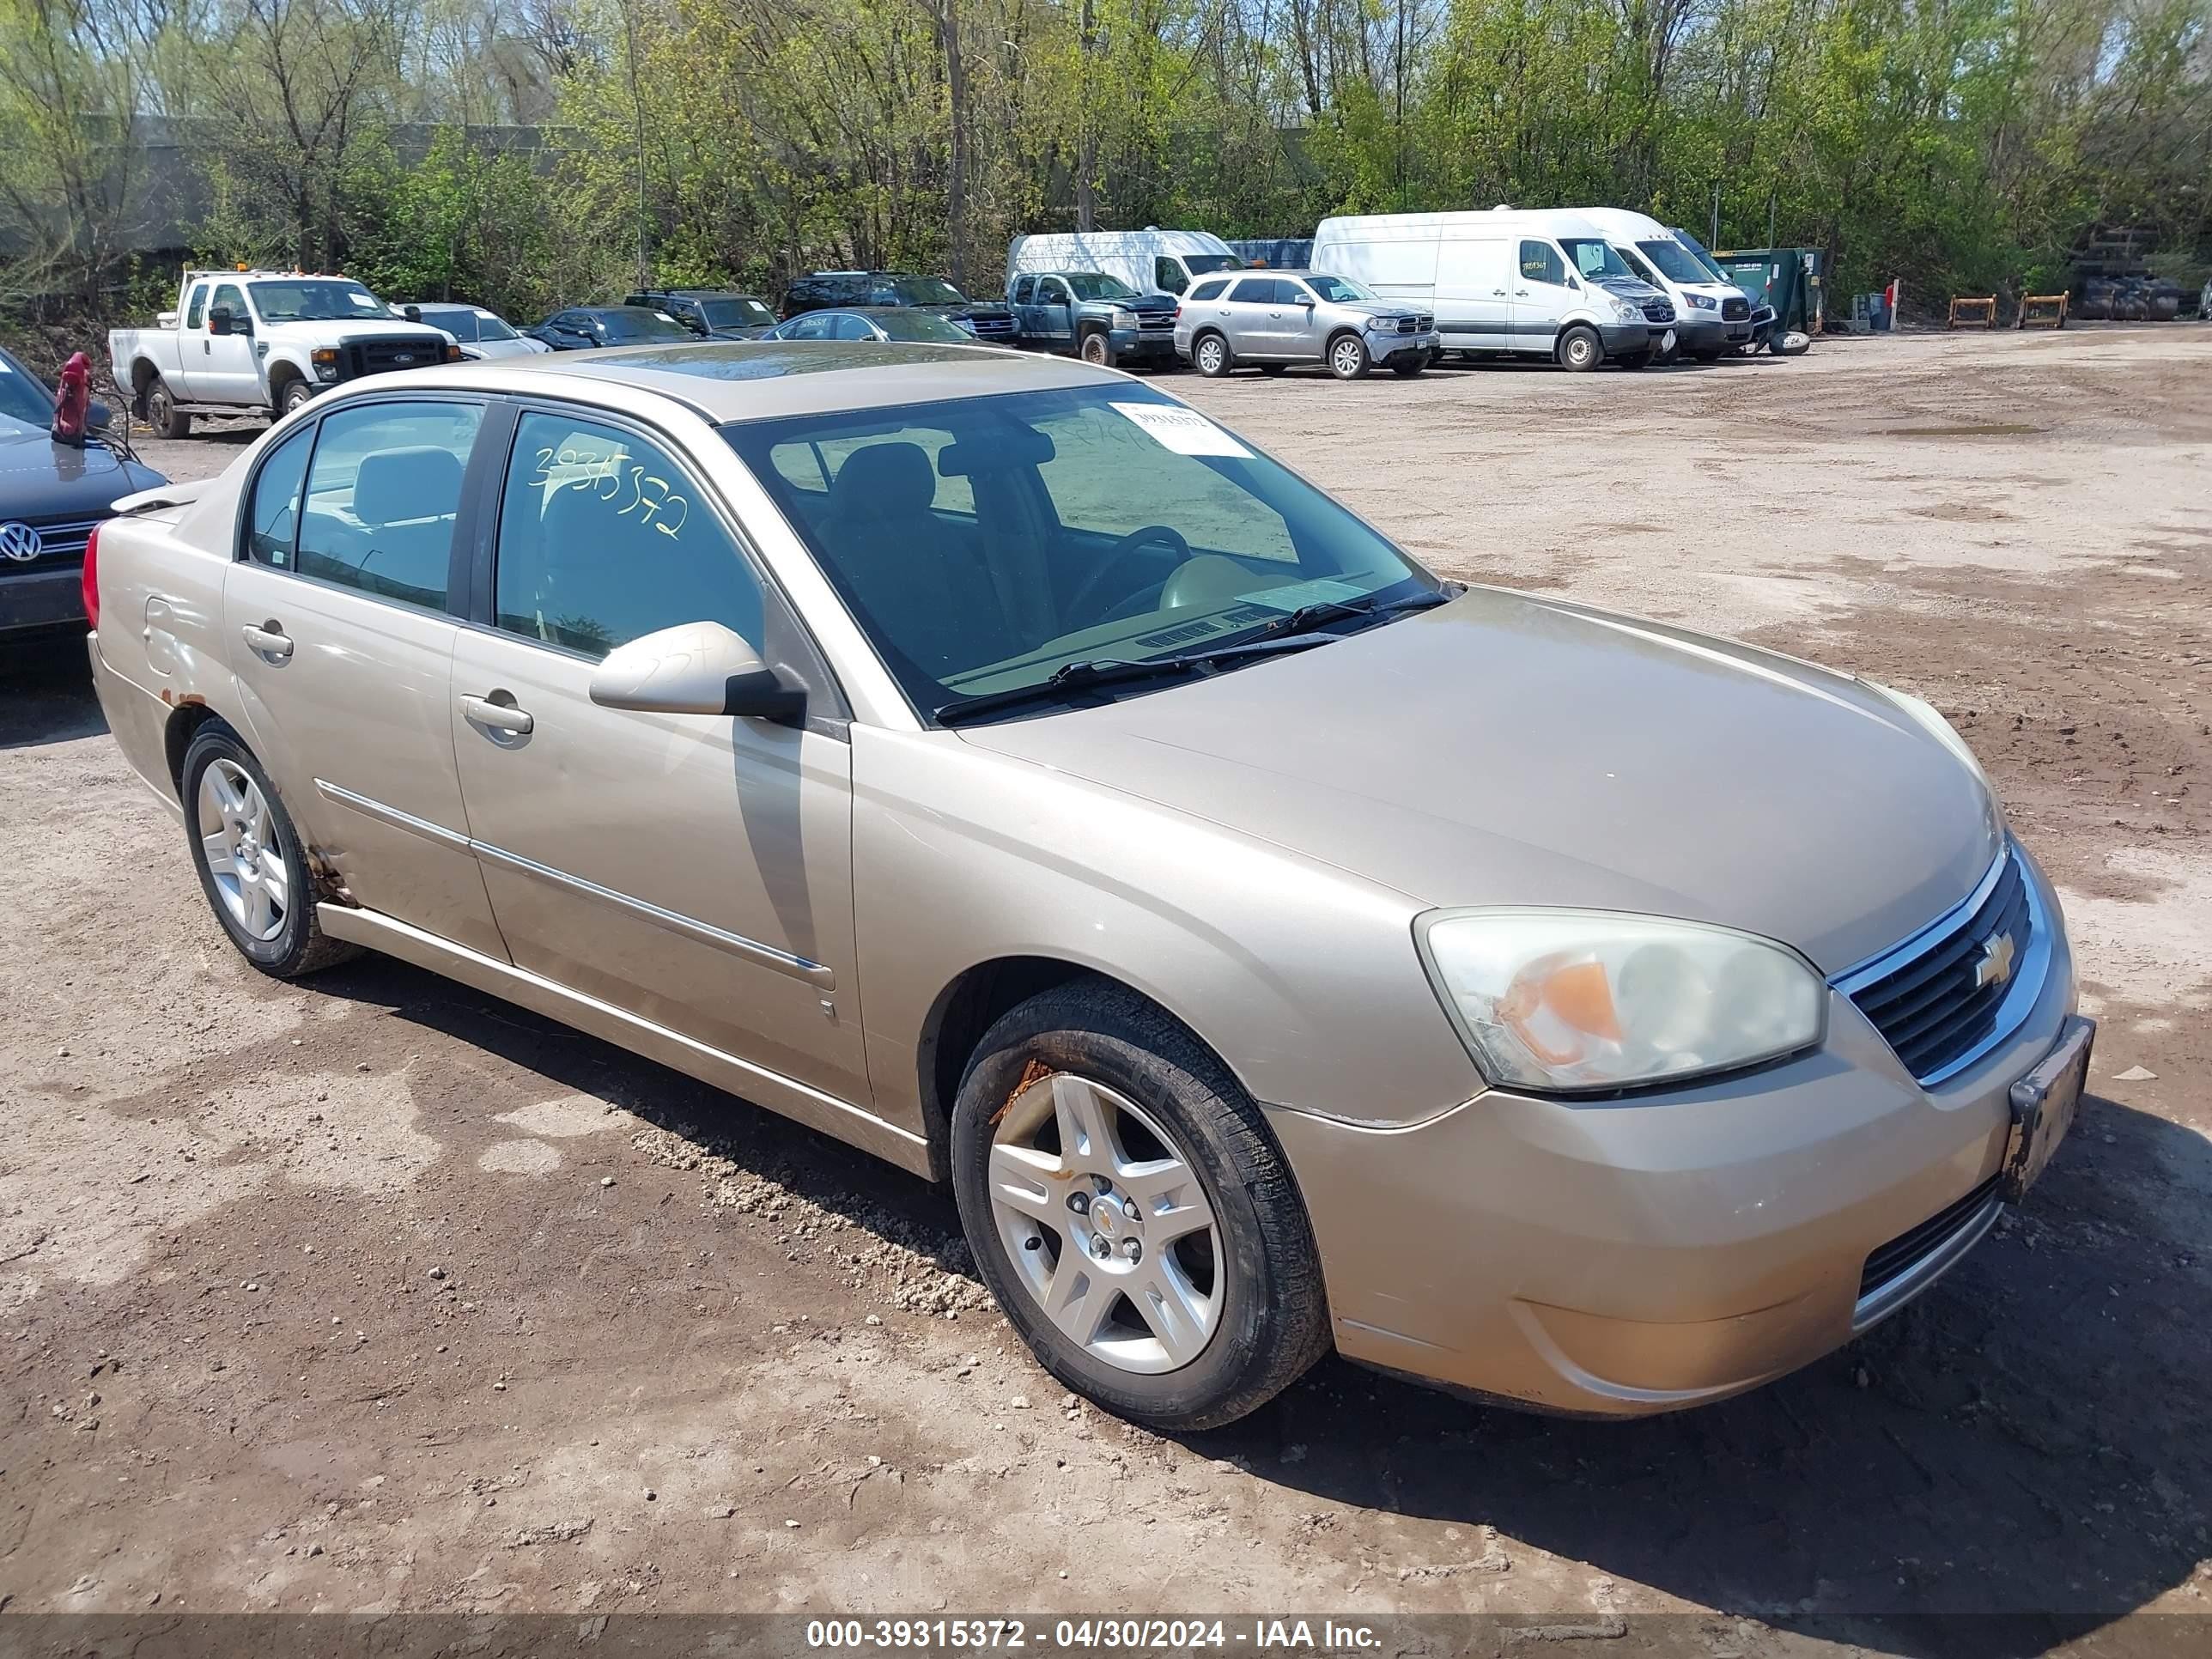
1712, 316
1505, 282
1151, 260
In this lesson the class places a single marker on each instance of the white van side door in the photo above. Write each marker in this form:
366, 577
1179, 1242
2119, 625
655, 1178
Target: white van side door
1474, 293
1541, 298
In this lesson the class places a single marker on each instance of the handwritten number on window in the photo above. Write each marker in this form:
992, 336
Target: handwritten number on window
652, 500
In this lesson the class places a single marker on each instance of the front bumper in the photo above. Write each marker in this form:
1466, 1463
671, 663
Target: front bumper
1624, 1257
1395, 347
1626, 339
37, 601
1142, 345
1702, 331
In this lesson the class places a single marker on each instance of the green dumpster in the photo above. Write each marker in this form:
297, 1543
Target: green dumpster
1787, 278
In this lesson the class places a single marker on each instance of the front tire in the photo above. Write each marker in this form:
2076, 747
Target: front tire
295, 395
1096, 348
248, 856
162, 413
1347, 357
1212, 356
1406, 370
1580, 349
1128, 1207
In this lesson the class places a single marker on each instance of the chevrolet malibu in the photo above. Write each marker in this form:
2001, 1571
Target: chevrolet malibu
991, 762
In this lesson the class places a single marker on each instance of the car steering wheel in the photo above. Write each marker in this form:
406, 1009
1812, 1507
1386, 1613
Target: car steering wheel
1152, 535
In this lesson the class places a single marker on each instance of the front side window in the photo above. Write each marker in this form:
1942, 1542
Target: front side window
272, 516
228, 297
604, 540
383, 493
850, 327
986, 544
1168, 275
1540, 262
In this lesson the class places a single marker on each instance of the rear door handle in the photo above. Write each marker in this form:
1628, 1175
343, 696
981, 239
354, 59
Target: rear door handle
498, 716
268, 639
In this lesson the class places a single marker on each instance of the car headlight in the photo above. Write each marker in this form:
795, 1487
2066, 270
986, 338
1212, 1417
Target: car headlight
1124, 318
1628, 310
1590, 1000
1702, 303
965, 324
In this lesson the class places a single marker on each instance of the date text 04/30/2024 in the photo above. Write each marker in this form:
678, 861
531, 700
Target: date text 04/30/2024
1093, 1635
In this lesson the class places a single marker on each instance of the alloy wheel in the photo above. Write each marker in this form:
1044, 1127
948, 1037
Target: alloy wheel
245, 852
1107, 1224
1345, 360
1209, 355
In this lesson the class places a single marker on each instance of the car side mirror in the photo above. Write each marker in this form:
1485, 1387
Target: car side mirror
219, 321
413, 314
694, 668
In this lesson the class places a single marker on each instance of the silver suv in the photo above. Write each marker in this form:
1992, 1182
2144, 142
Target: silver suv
1273, 319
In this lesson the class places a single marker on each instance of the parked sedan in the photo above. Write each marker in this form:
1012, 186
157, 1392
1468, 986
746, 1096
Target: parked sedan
990, 761
483, 336
583, 328
52, 496
872, 322
1274, 319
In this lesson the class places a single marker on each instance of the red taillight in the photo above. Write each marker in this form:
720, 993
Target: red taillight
92, 577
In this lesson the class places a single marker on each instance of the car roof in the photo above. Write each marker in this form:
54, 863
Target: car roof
761, 379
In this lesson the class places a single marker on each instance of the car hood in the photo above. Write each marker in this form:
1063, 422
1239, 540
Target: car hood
43, 481
967, 308
1377, 309
1502, 749
1631, 288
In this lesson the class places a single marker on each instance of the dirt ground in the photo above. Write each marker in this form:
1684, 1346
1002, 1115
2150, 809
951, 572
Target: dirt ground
369, 1293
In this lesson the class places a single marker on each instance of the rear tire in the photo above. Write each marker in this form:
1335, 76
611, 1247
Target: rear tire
1249, 1314
162, 413
1348, 359
247, 853
1210, 352
1580, 349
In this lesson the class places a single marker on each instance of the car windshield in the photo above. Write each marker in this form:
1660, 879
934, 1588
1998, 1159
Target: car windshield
1097, 285
21, 398
1199, 263
1697, 250
1594, 258
635, 323
735, 313
489, 327
922, 291
987, 544
1337, 290
456, 320
316, 301
1674, 261
921, 326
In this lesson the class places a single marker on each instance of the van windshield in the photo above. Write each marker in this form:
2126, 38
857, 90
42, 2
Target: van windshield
1697, 249
985, 545
1674, 261
1594, 257
1199, 263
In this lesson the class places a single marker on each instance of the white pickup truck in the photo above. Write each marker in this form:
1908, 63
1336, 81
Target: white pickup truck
262, 339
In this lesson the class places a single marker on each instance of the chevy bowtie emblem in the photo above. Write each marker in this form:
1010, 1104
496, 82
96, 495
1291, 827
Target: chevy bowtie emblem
1995, 967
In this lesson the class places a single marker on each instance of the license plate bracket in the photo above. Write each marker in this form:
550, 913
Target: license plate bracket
2044, 1104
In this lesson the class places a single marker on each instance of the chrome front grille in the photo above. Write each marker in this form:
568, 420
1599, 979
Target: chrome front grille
1939, 1005
60, 543
1734, 310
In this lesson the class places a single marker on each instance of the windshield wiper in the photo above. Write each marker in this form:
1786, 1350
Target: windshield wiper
1308, 618
1075, 677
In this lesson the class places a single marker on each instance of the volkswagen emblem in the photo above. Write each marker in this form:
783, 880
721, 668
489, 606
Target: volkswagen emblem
1995, 965
20, 543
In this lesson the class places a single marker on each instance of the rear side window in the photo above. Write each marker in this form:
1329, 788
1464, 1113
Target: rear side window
1208, 290
272, 519
1540, 262
602, 539
383, 493
1258, 291
198, 308
1023, 287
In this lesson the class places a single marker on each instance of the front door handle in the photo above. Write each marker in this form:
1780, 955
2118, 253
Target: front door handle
498, 716
268, 639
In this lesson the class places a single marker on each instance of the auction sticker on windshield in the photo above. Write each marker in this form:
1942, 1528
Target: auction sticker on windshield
1185, 431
